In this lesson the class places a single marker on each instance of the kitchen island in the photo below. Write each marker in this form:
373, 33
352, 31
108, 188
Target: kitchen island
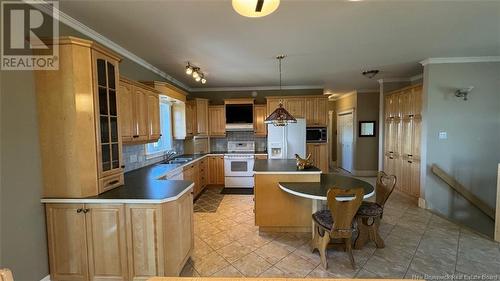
276, 210
141, 229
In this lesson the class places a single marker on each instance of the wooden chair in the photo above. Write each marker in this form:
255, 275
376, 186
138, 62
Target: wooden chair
370, 213
336, 222
6, 275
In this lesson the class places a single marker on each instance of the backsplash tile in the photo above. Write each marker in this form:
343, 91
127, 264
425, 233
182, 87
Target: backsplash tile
220, 144
134, 156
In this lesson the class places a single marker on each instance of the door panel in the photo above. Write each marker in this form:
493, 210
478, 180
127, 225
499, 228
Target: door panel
67, 243
125, 98
105, 224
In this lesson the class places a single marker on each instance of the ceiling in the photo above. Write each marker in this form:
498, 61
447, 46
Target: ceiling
328, 42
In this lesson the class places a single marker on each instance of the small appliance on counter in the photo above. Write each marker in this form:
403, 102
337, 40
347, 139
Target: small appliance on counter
316, 134
238, 164
283, 142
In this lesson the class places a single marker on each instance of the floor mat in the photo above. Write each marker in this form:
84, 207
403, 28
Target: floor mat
209, 200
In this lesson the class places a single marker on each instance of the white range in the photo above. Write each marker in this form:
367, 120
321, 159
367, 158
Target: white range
238, 164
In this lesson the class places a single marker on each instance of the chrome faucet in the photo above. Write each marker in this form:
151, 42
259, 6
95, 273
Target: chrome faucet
169, 155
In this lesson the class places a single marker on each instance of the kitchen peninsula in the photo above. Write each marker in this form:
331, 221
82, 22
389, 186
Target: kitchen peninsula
276, 210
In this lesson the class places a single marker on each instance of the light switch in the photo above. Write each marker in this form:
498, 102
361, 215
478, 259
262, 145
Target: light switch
133, 158
443, 135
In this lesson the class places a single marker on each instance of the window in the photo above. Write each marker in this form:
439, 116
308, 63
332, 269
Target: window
165, 141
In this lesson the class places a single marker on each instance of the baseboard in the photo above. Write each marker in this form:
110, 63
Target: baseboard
421, 203
46, 278
364, 173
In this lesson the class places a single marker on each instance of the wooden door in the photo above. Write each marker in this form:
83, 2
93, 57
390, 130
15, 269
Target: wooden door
189, 175
179, 237
126, 101
217, 120
220, 170
322, 112
212, 170
203, 173
144, 226
406, 137
296, 107
414, 178
202, 117
154, 130
106, 238
67, 243
311, 116
416, 137
405, 103
140, 115
319, 155
189, 118
416, 101
106, 108
259, 115
405, 175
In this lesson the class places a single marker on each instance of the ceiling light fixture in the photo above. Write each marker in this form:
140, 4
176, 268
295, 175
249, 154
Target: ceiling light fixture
196, 73
370, 73
280, 116
255, 8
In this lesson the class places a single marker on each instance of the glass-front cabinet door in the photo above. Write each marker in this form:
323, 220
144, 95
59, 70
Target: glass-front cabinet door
108, 135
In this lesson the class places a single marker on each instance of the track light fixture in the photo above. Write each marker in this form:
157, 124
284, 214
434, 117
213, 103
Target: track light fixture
195, 71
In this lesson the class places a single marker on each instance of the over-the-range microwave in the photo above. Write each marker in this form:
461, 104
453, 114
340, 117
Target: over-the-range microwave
316, 134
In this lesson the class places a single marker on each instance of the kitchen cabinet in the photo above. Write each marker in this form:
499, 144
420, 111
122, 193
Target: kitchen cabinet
140, 108
259, 115
319, 155
296, 107
216, 170
78, 119
260, 156
154, 131
402, 137
86, 241
192, 173
217, 120
203, 171
316, 111
273, 103
190, 118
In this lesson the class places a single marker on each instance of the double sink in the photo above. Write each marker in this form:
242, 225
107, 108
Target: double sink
179, 160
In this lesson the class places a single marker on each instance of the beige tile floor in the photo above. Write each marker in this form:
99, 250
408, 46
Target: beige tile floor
418, 244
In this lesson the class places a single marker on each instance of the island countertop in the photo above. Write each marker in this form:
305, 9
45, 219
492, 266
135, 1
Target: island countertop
281, 166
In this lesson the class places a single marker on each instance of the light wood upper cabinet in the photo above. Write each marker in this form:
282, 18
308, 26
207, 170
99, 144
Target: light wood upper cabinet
296, 107
86, 242
259, 115
78, 119
319, 155
316, 111
202, 117
217, 120
190, 118
154, 131
141, 112
67, 243
106, 241
126, 102
273, 103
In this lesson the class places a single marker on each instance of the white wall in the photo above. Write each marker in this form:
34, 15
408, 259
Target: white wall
472, 151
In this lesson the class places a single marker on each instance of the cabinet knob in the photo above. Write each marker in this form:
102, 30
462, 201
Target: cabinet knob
79, 210
86, 211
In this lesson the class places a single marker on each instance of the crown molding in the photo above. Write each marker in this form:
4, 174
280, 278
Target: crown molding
263, 88
367, 91
101, 39
416, 77
393, 80
460, 60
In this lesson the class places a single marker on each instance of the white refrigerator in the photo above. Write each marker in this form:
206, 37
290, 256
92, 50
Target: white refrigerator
284, 142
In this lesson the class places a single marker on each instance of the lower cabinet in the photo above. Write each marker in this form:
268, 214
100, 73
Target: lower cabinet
319, 155
87, 241
216, 170
119, 241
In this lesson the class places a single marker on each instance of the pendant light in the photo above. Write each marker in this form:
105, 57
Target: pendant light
255, 8
280, 116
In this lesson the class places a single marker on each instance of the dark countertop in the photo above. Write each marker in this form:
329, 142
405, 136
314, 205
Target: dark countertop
280, 165
318, 190
226, 152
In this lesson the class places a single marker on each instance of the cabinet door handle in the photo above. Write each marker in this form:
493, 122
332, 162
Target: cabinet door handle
79, 210
410, 155
410, 162
135, 136
113, 182
86, 211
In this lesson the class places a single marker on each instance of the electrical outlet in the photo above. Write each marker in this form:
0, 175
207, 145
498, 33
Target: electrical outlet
133, 158
443, 135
